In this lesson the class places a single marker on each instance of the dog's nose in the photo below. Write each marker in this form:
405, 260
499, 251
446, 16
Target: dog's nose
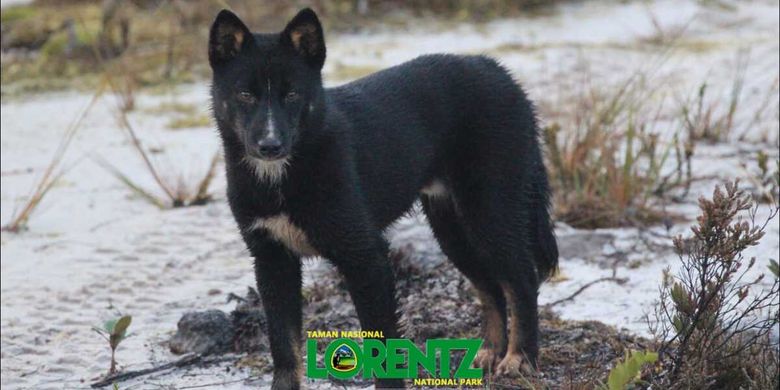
269, 147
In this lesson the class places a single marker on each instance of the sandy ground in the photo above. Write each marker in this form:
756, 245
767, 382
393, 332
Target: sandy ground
93, 249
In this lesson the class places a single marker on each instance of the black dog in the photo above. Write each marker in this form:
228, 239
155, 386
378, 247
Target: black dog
322, 172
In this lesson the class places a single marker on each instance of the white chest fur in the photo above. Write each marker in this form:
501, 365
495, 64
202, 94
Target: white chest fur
283, 230
268, 171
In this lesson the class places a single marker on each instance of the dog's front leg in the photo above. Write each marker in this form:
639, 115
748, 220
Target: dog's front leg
278, 274
369, 277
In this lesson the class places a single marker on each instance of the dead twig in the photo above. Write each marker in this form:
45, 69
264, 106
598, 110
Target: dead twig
585, 287
125, 124
216, 384
52, 174
186, 361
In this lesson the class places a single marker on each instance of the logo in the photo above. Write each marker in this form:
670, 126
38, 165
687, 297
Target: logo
344, 358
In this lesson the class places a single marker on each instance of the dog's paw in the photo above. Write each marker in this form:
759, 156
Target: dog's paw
513, 365
286, 380
486, 359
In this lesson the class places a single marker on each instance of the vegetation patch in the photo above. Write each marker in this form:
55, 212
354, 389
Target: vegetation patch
191, 121
607, 162
714, 321
64, 44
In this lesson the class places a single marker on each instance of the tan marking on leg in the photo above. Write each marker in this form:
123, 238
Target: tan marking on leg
493, 324
513, 364
494, 333
514, 324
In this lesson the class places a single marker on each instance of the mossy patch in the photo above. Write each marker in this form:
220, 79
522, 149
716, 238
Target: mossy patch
62, 44
166, 43
17, 13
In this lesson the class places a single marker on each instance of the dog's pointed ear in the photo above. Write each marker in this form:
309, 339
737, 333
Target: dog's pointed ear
228, 36
304, 34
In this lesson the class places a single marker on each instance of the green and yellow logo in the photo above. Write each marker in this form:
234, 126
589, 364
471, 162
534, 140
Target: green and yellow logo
344, 358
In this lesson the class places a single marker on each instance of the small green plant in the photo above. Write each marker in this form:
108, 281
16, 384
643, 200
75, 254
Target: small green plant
766, 179
705, 118
628, 371
114, 331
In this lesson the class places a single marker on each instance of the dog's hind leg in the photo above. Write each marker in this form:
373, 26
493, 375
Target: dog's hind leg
521, 292
496, 224
452, 240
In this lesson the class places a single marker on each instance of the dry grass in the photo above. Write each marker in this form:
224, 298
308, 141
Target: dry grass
765, 179
189, 121
54, 170
182, 192
616, 155
711, 117
705, 118
177, 193
608, 165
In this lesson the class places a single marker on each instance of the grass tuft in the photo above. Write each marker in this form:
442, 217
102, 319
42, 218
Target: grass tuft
53, 172
607, 165
177, 194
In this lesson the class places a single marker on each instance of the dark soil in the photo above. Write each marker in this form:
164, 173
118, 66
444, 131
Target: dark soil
435, 301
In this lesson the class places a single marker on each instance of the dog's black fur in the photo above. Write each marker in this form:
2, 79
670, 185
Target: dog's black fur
314, 171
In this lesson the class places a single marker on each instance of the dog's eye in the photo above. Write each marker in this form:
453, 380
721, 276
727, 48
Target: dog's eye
246, 97
291, 97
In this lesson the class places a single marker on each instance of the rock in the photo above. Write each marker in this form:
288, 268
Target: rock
207, 332
215, 332
583, 244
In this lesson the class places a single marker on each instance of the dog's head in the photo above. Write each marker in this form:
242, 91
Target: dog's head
266, 87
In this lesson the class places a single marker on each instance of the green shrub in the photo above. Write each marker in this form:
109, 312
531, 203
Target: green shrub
715, 323
628, 371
